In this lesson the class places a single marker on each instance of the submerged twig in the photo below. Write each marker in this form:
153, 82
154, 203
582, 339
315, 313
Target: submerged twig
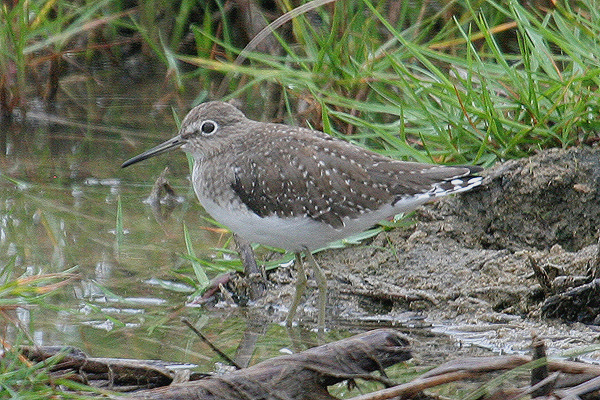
157, 199
209, 343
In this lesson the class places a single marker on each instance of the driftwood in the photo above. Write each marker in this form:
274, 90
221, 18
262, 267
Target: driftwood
304, 375
116, 374
569, 379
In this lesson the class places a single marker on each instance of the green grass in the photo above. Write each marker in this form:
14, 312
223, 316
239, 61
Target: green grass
199, 272
450, 94
20, 378
35, 35
477, 81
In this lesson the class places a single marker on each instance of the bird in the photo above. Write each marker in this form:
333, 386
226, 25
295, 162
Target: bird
296, 188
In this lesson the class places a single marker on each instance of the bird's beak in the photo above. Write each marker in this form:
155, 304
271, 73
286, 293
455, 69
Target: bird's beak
169, 145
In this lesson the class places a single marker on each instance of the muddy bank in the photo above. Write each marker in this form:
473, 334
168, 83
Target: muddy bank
465, 265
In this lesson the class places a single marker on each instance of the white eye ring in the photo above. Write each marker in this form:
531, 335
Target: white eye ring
208, 127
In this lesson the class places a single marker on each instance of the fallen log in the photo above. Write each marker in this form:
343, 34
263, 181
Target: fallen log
305, 375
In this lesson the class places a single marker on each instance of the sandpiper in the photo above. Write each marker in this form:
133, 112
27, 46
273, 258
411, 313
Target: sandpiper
296, 188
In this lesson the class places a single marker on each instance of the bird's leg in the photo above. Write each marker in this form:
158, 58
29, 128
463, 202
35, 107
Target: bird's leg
300, 288
322, 285
253, 273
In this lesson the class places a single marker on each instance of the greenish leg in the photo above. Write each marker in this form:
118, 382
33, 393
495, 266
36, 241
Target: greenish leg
300, 288
322, 285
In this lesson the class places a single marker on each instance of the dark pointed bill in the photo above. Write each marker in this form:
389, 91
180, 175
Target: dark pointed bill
169, 145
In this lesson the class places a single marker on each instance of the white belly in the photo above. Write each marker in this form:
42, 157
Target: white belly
295, 234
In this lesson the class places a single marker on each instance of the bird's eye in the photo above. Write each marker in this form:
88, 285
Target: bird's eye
208, 127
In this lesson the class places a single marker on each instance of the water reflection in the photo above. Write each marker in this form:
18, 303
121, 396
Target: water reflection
59, 184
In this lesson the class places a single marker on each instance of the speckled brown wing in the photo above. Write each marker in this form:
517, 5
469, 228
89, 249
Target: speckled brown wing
283, 182
306, 173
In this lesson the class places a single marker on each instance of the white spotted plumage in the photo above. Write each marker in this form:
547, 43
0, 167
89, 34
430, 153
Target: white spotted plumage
306, 189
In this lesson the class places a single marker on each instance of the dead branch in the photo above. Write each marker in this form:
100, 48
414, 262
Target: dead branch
299, 376
112, 373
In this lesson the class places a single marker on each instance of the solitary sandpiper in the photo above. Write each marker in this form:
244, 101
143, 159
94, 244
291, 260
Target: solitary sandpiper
296, 188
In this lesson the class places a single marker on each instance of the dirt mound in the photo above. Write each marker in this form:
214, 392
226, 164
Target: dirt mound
534, 203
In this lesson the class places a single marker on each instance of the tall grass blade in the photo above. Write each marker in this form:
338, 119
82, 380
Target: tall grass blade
119, 232
203, 280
